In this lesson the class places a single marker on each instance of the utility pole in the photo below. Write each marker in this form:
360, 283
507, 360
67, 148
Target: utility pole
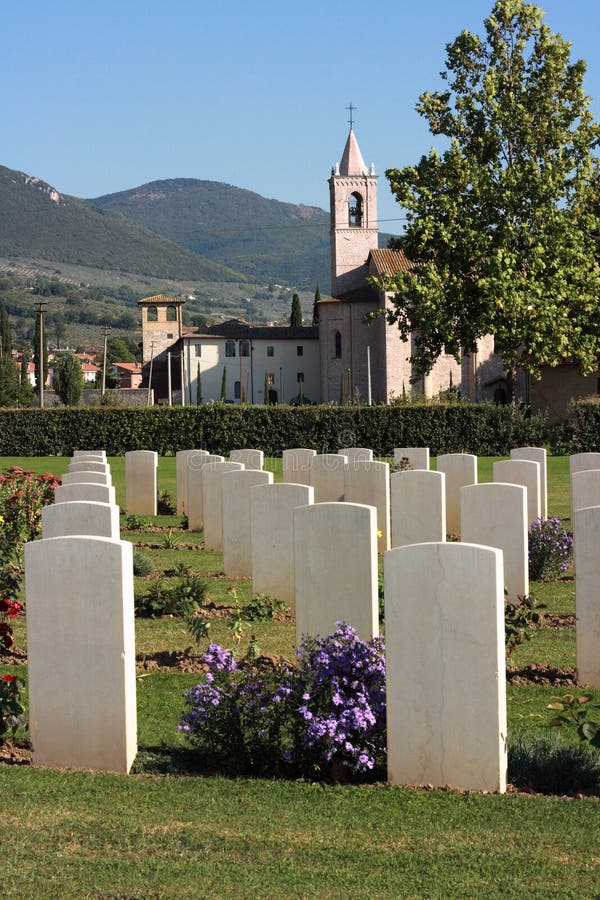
150, 373
41, 307
106, 333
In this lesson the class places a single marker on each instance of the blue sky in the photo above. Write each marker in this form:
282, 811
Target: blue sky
103, 96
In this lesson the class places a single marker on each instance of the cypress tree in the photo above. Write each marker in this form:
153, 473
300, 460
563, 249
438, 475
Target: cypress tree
5, 333
224, 385
9, 381
296, 313
315, 320
36, 353
68, 380
25, 389
199, 387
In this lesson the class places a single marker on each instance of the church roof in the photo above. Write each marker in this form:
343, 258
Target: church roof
388, 262
160, 298
239, 328
352, 162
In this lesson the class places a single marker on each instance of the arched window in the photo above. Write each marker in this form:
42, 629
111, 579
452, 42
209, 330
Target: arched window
237, 391
244, 348
355, 210
152, 314
337, 345
171, 314
229, 348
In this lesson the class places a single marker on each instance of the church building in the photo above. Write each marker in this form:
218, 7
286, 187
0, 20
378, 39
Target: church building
344, 358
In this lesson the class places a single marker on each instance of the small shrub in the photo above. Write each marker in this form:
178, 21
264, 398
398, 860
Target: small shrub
181, 600
519, 620
546, 764
575, 711
133, 522
12, 711
197, 627
142, 564
262, 607
322, 716
165, 505
170, 540
550, 549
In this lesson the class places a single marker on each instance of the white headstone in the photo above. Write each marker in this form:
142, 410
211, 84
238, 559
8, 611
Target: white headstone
495, 515
536, 454
587, 598
585, 489
80, 517
526, 473
237, 544
272, 533
87, 477
89, 466
93, 493
581, 462
101, 454
460, 470
212, 505
296, 465
252, 459
368, 482
418, 457
327, 477
195, 511
418, 502
445, 666
335, 569
81, 653
184, 460
357, 454
141, 469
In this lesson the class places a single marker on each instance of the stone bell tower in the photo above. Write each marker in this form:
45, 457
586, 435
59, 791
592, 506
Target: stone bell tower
353, 210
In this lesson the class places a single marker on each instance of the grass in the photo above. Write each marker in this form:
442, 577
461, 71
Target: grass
79, 834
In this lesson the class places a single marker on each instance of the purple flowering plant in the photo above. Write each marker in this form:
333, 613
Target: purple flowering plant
324, 715
550, 549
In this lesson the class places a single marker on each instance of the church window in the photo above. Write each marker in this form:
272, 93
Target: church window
337, 345
237, 390
171, 314
229, 348
355, 210
198, 349
152, 314
300, 377
244, 348
169, 336
299, 350
270, 351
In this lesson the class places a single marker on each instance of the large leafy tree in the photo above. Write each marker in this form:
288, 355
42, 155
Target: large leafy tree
68, 379
502, 226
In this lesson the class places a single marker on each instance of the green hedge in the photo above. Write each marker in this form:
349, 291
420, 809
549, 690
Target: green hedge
483, 429
581, 430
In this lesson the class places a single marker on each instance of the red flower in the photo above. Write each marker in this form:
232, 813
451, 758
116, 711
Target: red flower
8, 678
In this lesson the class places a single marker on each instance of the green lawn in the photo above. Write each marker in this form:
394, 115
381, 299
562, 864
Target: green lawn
78, 834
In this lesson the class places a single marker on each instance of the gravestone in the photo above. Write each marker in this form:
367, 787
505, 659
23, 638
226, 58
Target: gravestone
445, 666
418, 504
495, 515
460, 470
141, 468
87, 477
418, 457
89, 466
81, 653
327, 477
252, 459
95, 454
80, 517
195, 510
272, 537
368, 482
212, 504
93, 493
237, 539
335, 569
357, 454
184, 460
523, 472
587, 598
581, 462
585, 489
536, 454
296, 465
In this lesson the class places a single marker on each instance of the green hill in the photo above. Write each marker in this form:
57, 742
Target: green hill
37, 221
268, 240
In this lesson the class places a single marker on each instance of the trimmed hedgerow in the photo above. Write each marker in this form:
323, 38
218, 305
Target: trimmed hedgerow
484, 429
582, 426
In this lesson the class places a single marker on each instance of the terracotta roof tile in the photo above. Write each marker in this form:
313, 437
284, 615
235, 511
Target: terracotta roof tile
388, 262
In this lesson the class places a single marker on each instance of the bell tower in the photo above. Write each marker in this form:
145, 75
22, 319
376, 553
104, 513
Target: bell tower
353, 210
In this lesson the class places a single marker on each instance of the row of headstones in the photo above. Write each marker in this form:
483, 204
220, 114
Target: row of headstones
80, 627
